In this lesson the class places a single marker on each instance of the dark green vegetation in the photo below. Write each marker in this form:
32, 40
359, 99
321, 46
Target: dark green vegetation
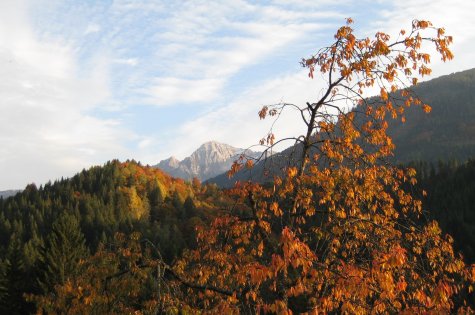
450, 199
8, 193
45, 232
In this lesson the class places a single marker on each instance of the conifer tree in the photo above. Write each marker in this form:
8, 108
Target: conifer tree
13, 281
63, 250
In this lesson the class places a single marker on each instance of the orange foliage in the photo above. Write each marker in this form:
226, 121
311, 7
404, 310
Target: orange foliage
121, 278
341, 231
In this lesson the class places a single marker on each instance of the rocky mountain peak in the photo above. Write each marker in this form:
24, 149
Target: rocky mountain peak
210, 159
172, 162
214, 152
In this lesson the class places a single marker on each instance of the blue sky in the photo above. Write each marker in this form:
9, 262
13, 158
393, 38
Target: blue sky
83, 82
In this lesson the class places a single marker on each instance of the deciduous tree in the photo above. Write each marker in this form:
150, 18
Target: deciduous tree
340, 231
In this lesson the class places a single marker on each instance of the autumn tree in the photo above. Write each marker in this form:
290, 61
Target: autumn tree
340, 232
120, 278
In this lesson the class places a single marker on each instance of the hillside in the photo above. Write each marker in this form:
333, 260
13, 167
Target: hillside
450, 200
8, 193
91, 208
446, 133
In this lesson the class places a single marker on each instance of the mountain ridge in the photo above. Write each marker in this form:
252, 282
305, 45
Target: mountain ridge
209, 160
9, 193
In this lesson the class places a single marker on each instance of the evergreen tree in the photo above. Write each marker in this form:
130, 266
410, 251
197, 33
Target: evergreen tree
12, 281
189, 207
64, 248
3, 285
155, 198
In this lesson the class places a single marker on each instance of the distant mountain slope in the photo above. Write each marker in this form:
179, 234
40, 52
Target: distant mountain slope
263, 171
447, 133
209, 160
8, 193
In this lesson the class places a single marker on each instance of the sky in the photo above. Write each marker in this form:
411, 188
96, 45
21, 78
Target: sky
86, 81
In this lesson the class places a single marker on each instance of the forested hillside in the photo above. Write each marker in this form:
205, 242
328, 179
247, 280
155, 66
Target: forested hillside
46, 231
8, 193
448, 131
450, 199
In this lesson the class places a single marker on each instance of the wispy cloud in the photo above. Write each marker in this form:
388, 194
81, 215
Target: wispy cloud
128, 61
92, 28
238, 123
45, 129
174, 90
455, 16
77, 75
210, 43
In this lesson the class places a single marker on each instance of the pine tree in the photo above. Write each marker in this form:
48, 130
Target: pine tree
189, 207
63, 250
13, 281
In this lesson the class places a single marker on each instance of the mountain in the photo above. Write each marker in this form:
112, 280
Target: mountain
209, 160
8, 193
446, 133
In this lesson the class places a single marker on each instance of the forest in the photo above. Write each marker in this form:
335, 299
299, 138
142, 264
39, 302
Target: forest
455, 214
344, 229
47, 232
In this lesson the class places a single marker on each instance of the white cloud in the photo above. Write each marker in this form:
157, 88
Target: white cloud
45, 129
203, 56
18, 45
129, 61
311, 4
92, 28
455, 16
238, 124
145, 143
137, 5
167, 91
